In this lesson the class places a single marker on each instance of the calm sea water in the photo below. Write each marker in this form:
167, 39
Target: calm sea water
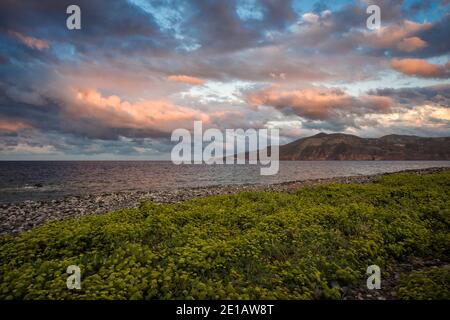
27, 180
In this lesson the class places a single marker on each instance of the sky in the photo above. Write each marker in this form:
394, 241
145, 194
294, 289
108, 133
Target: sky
139, 69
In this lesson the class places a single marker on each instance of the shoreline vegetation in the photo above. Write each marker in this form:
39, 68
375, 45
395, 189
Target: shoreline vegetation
22, 216
297, 240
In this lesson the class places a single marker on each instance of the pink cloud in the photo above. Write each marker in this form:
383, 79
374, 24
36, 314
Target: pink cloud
186, 79
421, 68
318, 103
411, 44
399, 36
13, 126
31, 42
114, 112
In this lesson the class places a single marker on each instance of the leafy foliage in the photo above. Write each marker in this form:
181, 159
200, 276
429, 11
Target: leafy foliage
431, 283
303, 245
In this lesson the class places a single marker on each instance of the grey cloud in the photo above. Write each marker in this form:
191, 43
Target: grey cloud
105, 24
218, 28
437, 38
438, 95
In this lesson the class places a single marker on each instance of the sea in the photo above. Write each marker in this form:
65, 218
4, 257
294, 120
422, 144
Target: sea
47, 180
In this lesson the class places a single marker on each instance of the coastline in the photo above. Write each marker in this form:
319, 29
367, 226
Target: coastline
23, 216
249, 245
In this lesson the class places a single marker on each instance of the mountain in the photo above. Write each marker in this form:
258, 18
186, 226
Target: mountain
339, 146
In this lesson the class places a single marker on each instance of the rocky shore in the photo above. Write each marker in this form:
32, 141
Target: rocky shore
18, 217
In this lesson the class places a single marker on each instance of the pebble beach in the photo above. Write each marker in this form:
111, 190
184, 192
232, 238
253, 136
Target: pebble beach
23, 216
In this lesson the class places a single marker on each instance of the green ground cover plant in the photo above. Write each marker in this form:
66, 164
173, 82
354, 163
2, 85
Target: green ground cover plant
431, 284
308, 244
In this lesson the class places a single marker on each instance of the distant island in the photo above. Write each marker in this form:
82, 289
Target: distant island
338, 146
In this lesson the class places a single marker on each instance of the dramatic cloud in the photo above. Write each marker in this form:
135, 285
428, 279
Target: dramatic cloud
30, 41
411, 44
186, 79
217, 27
138, 69
438, 95
114, 112
116, 26
421, 68
318, 103
23, 148
424, 120
398, 36
12, 126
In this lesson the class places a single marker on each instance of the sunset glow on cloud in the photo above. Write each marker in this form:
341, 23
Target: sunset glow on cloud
159, 115
30, 41
139, 69
421, 68
316, 103
12, 126
186, 79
